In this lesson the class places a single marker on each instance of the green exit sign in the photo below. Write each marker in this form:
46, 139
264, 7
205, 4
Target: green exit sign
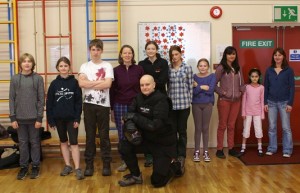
285, 13
256, 43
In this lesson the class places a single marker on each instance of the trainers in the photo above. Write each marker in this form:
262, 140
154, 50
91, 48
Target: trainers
196, 156
22, 173
122, 167
286, 155
260, 152
269, 153
129, 180
106, 171
79, 174
234, 153
220, 154
66, 171
35, 172
149, 160
243, 151
206, 156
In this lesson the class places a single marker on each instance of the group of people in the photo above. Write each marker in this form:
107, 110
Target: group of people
156, 97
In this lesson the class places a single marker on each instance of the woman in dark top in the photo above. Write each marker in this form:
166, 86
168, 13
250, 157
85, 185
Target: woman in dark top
125, 87
155, 66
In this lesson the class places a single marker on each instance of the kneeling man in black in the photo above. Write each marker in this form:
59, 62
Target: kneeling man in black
149, 112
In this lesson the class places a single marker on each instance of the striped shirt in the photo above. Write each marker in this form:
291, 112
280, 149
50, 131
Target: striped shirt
180, 86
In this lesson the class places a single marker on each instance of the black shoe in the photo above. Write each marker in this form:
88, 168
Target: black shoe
220, 154
260, 153
181, 171
35, 172
89, 170
234, 153
106, 168
22, 173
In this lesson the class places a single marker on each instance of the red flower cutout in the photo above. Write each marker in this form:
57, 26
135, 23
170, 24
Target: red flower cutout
180, 28
147, 28
165, 40
163, 35
181, 34
172, 34
179, 39
156, 34
147, 34
165, 47
155, 28
164, 28
100, 74
174, 41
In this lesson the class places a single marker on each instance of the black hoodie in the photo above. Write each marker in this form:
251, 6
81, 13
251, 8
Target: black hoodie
64, 100
152, 117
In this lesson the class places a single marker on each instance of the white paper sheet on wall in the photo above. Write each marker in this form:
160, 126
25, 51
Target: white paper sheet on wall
57, 52
192, 37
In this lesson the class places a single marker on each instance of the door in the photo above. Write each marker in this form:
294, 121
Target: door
255, 45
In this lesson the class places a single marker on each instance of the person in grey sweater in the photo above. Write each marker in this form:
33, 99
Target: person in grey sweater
26, 104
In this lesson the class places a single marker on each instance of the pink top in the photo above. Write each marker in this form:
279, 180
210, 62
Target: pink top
253, 101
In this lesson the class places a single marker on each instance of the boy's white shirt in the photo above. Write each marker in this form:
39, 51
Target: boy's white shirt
97, 72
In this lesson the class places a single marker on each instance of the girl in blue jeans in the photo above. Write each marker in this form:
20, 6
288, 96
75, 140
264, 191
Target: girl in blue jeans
279, 97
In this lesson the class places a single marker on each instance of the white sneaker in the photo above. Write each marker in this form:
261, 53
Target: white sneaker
286, 155
206, 156
122, 167
196, 156
269, 153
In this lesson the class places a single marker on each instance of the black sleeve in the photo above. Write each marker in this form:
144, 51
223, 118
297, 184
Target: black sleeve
50, 105
164, 74
133, 106
160, 116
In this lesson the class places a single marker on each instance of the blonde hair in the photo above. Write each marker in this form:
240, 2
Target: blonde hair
23, 57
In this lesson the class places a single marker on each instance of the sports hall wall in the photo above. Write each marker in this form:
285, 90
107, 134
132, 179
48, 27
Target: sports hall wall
133, 12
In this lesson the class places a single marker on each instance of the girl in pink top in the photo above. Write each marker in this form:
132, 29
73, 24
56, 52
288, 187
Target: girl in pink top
253, 108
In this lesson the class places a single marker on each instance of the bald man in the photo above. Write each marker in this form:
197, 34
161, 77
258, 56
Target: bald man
150, 113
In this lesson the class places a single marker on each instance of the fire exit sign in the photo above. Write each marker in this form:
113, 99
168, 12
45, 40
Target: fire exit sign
256, 43
285, 13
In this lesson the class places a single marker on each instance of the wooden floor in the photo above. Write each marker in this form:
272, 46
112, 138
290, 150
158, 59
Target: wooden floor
229, 175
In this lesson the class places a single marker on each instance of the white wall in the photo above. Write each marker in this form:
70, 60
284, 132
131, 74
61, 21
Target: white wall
246, 12
135, 11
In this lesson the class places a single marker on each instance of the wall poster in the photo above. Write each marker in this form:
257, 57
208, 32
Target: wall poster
193, 38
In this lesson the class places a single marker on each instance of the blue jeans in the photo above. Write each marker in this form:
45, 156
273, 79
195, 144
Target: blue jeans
287, 141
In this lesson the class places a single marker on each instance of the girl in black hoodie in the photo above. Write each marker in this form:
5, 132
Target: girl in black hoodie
64, 106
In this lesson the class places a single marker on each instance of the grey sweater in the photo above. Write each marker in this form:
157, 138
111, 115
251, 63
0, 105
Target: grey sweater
26, 98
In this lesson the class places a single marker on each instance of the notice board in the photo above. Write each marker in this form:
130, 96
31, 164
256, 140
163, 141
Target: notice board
193, 37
